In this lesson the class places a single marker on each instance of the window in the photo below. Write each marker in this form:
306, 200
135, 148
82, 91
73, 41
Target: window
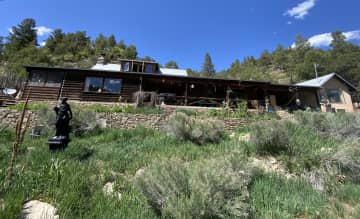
46, 79
112, 85
54, 80
334, 95
93, 84
99, 84
38, 78
149, 68
137, 67
126, 66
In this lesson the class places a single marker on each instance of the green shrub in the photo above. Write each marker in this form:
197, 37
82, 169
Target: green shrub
338, 125
197, 130
99, 108
275, 197
271, 137
298, 146
188, 112
47, 119
347, 159
83, 121
214, 188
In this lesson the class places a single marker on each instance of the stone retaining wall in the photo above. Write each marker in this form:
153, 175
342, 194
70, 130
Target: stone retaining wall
9, 118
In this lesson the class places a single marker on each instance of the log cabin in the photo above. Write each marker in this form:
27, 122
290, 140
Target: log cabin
118, 83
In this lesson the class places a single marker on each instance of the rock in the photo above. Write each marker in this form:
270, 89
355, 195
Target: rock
316, 179
232, 135
270, 164
101, 123
108, 190
140, 172
38, 210
2, 204
245, 137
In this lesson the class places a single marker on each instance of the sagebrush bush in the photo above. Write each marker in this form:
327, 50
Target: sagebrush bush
214, 188
338, 125
271, 137
347, 159
197, 130
83, 121
298, 146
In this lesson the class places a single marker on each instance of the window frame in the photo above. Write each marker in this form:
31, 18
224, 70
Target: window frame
102, 88
339, 92
147, 65
45, 77
117, 79
123, 66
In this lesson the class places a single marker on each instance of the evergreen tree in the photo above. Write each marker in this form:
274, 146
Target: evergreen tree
111, 41
22, 35
2, 47
100, 45
208, 68
130, 52
265, 58
280, 58
148, 58
55, 42
338, 42
234, 72
171, 64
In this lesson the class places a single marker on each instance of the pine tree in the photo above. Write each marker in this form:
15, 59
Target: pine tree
208, 68
55, 42
171, 64
111, 41
23, 35
2, 47
100, 45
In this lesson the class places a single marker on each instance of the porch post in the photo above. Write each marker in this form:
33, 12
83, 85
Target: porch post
267, 101
227, 98
140, 86
186, 93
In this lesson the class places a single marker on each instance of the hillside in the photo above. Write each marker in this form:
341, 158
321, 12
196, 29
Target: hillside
307, 167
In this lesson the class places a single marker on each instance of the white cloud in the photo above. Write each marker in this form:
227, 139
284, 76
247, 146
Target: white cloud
324, 39
43, 43
41, 30
301, 10
289, 22
10, 30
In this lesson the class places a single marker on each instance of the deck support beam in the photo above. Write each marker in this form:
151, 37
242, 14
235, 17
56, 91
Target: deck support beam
186, 94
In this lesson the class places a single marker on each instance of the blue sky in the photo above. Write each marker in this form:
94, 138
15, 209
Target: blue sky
184, 30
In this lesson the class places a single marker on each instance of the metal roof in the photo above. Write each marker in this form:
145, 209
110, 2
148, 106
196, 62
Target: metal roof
163, 71
173, 72
108, 67
320, 81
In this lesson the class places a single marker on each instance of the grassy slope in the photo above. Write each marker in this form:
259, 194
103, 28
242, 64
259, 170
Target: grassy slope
72, 180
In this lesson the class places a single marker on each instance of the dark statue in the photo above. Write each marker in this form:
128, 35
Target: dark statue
63, 117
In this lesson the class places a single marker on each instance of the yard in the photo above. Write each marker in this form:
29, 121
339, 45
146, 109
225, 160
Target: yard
303, 168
